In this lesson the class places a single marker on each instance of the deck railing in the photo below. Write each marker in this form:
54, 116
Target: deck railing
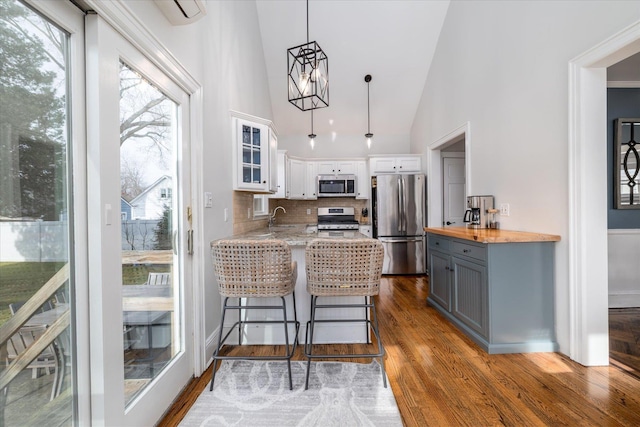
13, 325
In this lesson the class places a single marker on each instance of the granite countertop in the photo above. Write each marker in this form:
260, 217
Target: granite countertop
297, 234
485, 235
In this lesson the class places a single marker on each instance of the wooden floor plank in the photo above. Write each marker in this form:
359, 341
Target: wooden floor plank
440, 377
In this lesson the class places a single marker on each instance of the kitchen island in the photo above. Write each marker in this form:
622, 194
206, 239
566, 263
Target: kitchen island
496, 286
297, 236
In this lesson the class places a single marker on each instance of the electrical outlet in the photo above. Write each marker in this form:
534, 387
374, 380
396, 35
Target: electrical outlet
504, 209
308, 211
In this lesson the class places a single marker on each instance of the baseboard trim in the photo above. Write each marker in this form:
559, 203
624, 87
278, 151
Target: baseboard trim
624, 300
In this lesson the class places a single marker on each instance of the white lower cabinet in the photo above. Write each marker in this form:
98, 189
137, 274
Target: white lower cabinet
365, 229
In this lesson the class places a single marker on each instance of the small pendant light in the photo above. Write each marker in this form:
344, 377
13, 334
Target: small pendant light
312, 136
368, 135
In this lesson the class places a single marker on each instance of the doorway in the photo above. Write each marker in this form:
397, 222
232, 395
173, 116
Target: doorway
588, 246
453, 185
454, 145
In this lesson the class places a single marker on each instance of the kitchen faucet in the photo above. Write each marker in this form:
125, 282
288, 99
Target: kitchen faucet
272, 217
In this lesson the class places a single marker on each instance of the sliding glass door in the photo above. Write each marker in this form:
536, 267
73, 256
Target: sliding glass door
140, 222
40, 49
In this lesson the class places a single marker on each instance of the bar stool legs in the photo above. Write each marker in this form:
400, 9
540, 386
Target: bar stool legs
290, 348
370, 324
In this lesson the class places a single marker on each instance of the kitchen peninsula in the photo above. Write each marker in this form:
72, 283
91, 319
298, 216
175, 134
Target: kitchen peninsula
496, 286
297, 236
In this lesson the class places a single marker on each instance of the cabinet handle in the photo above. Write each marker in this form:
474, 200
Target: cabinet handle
466, 250
264, 182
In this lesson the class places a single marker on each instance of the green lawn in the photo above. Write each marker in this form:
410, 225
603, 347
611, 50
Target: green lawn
20, 280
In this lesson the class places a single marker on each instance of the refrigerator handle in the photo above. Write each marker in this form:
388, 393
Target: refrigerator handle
400, 204
404, 207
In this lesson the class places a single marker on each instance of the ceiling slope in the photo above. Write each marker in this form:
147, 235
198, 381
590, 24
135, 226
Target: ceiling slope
393, 40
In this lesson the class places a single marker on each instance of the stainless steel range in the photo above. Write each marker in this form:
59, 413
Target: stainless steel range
337, 219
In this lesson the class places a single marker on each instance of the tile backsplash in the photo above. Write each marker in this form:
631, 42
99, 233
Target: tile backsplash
242, 201
297, 209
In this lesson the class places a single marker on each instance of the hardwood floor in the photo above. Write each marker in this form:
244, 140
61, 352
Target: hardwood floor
624, 338
440, 378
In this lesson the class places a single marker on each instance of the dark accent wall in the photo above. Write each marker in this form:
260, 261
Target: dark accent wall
620, 103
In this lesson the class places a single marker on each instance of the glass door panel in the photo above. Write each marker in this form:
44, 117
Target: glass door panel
37, 376
148, 141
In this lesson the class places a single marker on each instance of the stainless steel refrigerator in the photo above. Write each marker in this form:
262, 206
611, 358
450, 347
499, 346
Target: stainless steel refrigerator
398, 205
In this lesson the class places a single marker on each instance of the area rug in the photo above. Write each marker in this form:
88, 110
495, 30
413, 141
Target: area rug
256, 393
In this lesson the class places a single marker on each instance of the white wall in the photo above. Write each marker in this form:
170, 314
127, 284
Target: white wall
223, 51
624, 269
347, 146
503, 67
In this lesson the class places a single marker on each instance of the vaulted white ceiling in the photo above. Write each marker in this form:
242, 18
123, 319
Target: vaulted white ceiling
393, 40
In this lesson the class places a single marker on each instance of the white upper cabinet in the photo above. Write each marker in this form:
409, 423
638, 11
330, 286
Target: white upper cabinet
363, 183
255, 154
405, 164
281, 187
310, 180
301, 179
296, 170
333, 167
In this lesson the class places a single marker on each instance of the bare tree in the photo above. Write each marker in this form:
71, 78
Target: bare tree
132, 181
145, 112
129, 234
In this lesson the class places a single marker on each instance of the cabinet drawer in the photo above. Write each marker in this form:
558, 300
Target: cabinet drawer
438, 242
471, 251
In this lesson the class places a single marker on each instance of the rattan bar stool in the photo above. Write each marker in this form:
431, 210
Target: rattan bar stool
255, 269
338, 268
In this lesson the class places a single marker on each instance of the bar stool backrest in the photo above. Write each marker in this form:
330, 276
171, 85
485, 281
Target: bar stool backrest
344, 267
253, 268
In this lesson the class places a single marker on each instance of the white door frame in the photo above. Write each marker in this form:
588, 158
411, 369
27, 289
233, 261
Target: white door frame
106, 405
434, 170
123, 20
588, 265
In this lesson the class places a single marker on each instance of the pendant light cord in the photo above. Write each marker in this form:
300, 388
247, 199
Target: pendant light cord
307, 21
368, 111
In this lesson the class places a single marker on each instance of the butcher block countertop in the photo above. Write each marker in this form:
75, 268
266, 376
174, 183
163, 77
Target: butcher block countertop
485, 235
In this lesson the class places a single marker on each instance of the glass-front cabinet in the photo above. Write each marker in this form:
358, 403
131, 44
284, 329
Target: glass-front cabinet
256, 154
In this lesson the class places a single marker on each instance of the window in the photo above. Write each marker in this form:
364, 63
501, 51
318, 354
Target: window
260, 205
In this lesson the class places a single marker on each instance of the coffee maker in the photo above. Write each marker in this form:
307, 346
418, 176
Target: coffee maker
477, 215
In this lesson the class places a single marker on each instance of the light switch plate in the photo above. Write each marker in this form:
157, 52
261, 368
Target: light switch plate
208, 199
504, 209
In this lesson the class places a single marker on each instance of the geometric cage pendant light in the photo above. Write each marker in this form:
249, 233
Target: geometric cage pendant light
308, 74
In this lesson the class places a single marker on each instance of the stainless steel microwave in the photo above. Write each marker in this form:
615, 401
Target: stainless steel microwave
336, 186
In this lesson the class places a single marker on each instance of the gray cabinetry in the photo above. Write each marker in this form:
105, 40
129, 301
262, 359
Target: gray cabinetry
500, 294
470, 294
440, 272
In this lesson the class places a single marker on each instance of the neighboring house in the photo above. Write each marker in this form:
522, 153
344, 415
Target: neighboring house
125, 209
152, 201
